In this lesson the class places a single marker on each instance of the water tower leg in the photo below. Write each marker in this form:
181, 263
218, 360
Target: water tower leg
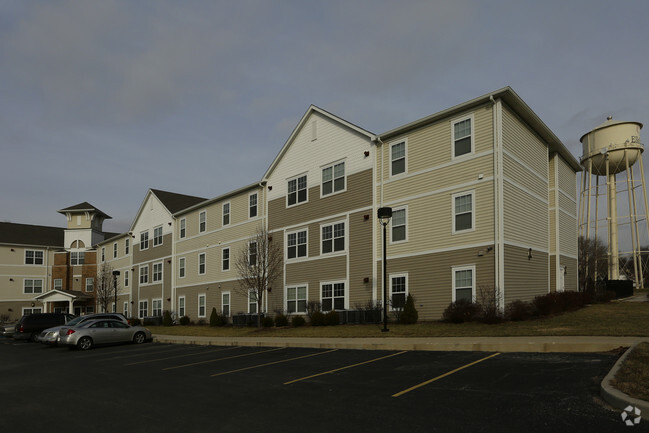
632, 218
613, 264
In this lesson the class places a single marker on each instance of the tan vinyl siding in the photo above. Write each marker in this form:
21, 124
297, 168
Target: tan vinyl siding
314, 271
360, 258
523, 144
567, 235
567, 179
525, 218
521, 175
571, 277
525, 278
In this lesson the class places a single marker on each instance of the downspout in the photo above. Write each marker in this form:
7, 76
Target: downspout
262, 188
499, 238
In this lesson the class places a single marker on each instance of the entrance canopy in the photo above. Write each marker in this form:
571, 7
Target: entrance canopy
69, 296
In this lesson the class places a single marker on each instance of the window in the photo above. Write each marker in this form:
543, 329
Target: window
181, 306
296, 299
252, 254
103, 254
333, 178
125, 309
28, 311
225, 262
33, 257
296, 244
252, 205
464, 283
115, 250
77, 258
462, 137
90, 284
127, 246
144, 240
399, 232
226, 214
183, 228
333, 296
33, 286
333, 238
398, 158
157, 236
157, 272
463, 215
297, 192
58, 284
202, 221
201, 306
399, 291
156, 307
252, 301
144, 309
181, 267
125, 278
90, 309
225, 304
144, 274
201, 264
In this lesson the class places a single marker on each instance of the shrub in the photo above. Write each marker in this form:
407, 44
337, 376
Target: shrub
214, 317
332, 318
184, 320
134, 321
317, 318
281, 320
547, 304
166, 319
409, 314
268, 322
461, 311
298, 321
519, 310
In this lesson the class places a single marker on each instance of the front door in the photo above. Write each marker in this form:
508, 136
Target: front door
77, 311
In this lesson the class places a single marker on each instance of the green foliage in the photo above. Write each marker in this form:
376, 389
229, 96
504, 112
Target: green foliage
318, 318
332, 318
281, 320
268, 322
297, 321
214, 318
409, 315
166, 318
184, 320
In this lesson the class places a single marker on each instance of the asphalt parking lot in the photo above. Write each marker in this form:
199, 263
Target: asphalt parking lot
165, 388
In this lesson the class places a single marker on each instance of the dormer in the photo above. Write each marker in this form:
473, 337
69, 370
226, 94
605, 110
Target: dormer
85, 225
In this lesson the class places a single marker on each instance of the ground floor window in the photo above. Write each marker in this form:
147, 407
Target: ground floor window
252, 301
201, 306
125, 309
464, 283
296, 299
156, 307
90, 309
28, 311
333, 296
225, 304
181, 306
144, 309
398, 290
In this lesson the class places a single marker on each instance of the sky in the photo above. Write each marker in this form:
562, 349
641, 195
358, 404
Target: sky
101, 100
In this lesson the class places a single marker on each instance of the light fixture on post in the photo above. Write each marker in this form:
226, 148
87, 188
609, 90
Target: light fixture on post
115, 276
384, 214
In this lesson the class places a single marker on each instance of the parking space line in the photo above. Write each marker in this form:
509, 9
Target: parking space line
344, 368
271, 363
182, 356
398, 394
144, 351
223, 359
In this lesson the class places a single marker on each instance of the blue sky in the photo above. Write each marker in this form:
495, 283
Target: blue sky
101, 100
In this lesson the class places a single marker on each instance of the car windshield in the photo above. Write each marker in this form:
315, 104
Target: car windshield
75, 321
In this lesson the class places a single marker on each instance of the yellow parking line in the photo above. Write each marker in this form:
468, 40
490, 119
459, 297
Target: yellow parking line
181, 356
271, 363
398, 394
344, 368
222, 359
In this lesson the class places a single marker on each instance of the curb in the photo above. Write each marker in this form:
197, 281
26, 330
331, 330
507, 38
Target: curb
617, 398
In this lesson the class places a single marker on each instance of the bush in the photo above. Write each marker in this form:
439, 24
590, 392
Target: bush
134, 321
298, 321
166, 319
281, 320
461, 311
318, 318
518, 310
268, 322
184, 320
409, 314
332, 318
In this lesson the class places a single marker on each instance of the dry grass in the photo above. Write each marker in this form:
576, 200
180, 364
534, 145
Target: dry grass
612, 319
633, 376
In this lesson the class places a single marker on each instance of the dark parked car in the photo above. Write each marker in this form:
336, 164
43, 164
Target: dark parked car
28, 327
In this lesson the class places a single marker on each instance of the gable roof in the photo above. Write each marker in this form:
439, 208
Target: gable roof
313, 109
25, 234
175, 202
84, 207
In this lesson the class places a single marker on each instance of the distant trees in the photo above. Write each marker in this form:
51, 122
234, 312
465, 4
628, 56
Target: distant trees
593, 262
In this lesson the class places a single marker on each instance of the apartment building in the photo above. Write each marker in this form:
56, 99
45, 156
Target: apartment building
483, 197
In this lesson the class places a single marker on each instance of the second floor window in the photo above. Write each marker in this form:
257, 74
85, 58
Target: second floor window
253, 206
333, 238
252, 253
296, 245
297, 192
226, 214
202, 221
77, 258
157, 236
333, 178
144, 240
33, 257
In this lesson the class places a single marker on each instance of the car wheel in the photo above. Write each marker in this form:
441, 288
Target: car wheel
139, 338
84, 343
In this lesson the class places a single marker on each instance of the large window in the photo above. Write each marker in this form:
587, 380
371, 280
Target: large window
333, 296
463, 215
462, 137
144, 309
225, 304
252, 301
157, 236
297, 191
90, 284
296, 299
201, 306
156, 307
33, 286
157, 272
202, 221
296, 244
464, 283
398, 158
77, 258
333, 178
398, 290
252, 208
225, 259
183, 228
201, 264
333, 238
144, 274
399, 232
181, 267
181, 306
33, 257
58, 284
144, 240
226, 214
252, 254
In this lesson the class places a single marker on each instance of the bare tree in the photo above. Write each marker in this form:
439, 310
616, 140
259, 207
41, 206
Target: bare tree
258, 265
593, 262
105, 292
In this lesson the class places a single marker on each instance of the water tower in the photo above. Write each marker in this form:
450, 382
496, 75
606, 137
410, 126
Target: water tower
610, 151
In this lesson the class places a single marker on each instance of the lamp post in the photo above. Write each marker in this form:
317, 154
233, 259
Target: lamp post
115, 276
384, 214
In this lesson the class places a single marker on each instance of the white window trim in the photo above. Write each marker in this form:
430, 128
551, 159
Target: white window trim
295, 286
473, 211
115, 250
182, 266
182, 225
229, 214
204, 212
256, 205
332, 224
332, 165
32, 280
125, 310
184, 306
127, 247
198, 305
229, 260
397, 275
161, 236
153, 301
295, 178
35, 264
453, 122
333, 282
147, 240
295, 232
60, 286
88, 279
198, 268
139, 308
405, 208
162, 270
250, 302
126, 279
229, 304
455, 269
139, 275
103, 254
393, 143
31, 310
256, 252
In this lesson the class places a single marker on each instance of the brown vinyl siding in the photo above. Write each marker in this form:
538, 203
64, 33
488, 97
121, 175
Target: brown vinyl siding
525, 278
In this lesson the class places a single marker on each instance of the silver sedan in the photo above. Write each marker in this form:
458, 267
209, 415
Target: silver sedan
96, 332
